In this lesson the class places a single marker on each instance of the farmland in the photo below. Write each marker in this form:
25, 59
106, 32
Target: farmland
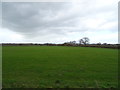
59, 66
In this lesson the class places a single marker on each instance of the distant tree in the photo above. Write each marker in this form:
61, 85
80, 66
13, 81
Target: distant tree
72, 42
99, 43
84, 40
104, 43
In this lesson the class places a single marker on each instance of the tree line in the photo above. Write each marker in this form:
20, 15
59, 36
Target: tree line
84, 42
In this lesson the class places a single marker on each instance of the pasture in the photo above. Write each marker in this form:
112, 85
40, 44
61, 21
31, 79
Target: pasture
59, 67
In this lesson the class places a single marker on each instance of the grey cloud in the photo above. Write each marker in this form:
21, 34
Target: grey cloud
29, 17
56, 18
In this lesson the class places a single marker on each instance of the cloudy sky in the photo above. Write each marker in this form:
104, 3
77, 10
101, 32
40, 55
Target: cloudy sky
58, 22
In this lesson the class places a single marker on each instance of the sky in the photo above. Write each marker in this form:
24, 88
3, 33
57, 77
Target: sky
59, 22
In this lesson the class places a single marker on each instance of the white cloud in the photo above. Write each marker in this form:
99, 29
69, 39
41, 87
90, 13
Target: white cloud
9, 36
103, 37
109, 25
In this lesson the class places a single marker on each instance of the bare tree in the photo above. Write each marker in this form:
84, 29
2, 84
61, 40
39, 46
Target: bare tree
81, 41
84, 40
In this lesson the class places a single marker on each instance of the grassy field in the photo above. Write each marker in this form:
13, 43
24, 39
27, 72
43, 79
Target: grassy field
57, 66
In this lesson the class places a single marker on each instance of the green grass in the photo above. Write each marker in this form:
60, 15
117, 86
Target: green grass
57, 66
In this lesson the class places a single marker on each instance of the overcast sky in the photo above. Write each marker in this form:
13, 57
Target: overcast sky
58, 22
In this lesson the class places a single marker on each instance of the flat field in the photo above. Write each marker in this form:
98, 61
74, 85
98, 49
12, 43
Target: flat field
59, 66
